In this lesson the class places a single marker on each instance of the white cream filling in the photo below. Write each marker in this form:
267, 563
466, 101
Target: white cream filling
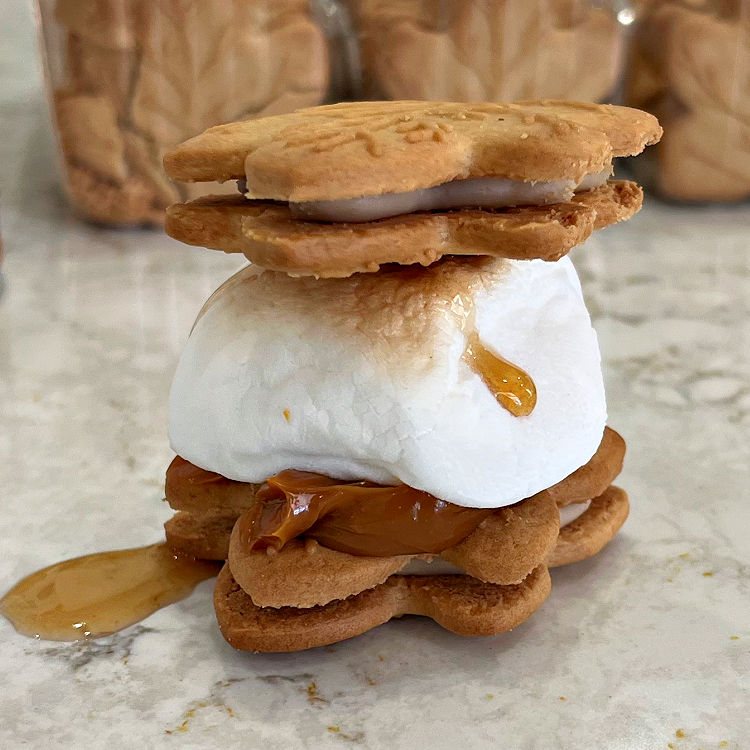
569, 513
480, 192
434, 567
439, 567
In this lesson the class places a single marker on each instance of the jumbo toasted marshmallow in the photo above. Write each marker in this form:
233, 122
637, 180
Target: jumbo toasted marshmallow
368, 378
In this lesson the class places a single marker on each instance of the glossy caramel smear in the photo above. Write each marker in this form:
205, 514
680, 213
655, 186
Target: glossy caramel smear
100, 594
360, 518
511, 386
189, 487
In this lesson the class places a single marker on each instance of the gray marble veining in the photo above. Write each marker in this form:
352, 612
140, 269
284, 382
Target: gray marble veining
645, 646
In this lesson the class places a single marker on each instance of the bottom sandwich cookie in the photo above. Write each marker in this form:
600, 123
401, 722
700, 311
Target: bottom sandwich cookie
461, 604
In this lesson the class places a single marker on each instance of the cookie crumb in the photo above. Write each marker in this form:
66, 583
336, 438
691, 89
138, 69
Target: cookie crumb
287, 414
734, 638
489, 696
334, 728
723, 743
563, 698
708, 573
680, 734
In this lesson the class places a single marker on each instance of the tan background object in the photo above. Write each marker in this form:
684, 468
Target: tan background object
691, 67
489, 50
132, 78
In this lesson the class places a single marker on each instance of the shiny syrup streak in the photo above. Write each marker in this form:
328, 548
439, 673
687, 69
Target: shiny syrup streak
511, 386
100, 594
97, 595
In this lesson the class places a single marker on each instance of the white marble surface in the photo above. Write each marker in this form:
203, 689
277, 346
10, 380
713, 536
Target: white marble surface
646, 642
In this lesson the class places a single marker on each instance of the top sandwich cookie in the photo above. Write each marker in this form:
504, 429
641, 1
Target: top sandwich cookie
358, 178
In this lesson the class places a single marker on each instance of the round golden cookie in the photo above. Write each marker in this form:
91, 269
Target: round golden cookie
203, 536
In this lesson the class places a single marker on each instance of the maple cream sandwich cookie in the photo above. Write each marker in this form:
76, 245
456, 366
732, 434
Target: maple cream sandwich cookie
330, 191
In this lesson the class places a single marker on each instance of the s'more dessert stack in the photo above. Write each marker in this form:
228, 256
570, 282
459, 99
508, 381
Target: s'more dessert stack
391, 408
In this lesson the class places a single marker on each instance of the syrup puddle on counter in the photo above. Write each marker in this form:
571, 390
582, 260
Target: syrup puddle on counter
511, 386
99, 594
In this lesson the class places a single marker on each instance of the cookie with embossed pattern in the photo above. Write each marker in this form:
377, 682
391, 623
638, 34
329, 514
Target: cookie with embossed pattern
371, 148
361, 184
495, 50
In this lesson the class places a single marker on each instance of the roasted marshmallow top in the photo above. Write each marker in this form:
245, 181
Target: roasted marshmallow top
367, 378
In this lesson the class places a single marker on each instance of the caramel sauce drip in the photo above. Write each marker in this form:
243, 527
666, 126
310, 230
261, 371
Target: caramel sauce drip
360, 518
100, 594
182, 476
189, 487
513, 388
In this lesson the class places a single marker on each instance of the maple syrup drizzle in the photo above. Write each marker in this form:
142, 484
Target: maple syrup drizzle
511, 386
99, 594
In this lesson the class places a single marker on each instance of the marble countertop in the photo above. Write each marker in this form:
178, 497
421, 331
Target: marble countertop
645, 646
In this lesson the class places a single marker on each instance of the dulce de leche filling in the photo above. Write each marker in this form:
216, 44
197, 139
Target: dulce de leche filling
360, 518
188, 487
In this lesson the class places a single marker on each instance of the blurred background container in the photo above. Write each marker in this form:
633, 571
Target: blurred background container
690, 66
129, 79
491, 50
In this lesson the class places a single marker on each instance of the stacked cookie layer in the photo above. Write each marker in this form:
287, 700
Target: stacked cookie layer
383, 413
